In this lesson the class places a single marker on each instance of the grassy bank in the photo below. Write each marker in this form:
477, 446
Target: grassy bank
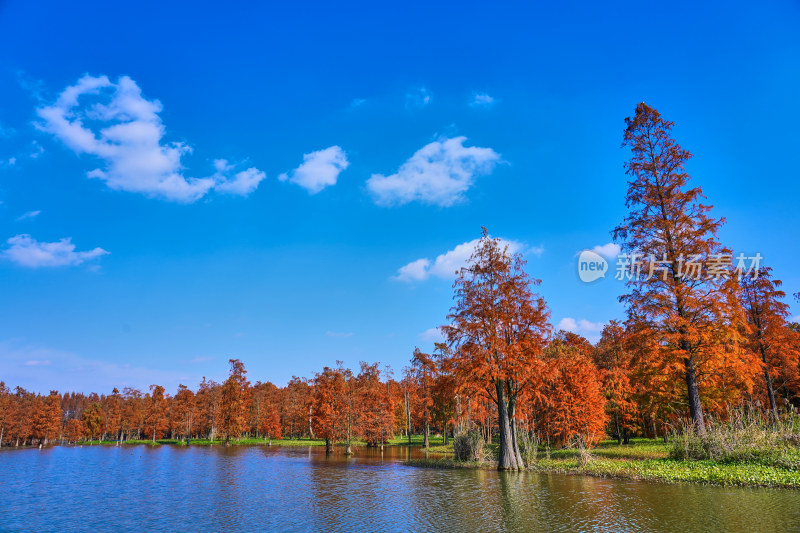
207, 442
649, 460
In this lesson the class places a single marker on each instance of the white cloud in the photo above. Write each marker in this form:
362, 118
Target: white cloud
29, 214
609, 250
116, 124
319, 169
447, 264
37, 362
796, 319
358, 102
431, 335
418, 97
590, 330
482, 100
26, 251
439, 173
241, 184
414, 271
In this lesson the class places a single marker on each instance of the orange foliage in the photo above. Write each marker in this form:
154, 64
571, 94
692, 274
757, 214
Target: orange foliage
770, 338
695, 324
497, 335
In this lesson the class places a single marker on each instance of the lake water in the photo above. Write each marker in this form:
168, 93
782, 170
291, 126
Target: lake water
300, 489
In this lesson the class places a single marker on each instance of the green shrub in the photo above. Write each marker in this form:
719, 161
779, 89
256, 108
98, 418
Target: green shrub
469, 447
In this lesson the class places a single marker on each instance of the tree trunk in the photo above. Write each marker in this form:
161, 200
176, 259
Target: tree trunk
770, 390
427, 443
695, 407
328, 446
507, 458
512, 420
408, 414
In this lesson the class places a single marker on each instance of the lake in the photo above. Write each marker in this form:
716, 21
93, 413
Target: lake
300, 489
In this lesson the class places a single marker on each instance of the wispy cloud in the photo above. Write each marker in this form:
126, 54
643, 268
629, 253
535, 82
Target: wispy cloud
318, 170
35, 150
358, 102
40, 368
29, 214
418, 97
338, 334
115, 123
240, 183
447, 264
439, 173
26, 251
38, 362
6, 132
482, 100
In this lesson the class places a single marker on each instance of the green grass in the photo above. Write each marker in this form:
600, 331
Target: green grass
416, 440
449, 464
648, 459
637, 449
671, 471
259, 442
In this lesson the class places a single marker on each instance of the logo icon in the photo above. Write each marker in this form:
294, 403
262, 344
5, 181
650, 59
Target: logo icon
591, 266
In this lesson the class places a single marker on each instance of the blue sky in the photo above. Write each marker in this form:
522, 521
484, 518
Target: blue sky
293, 185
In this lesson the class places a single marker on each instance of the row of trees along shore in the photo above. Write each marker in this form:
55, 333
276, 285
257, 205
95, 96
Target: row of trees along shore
689, 349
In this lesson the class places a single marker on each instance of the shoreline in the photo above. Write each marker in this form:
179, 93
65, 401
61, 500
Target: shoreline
641, 460
670, 471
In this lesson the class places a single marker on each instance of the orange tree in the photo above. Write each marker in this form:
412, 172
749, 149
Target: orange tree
234, 402
423, 374
769, 335
613, 359
497, 333
570, 407
328, 417
376, 420
691, 312
155, 414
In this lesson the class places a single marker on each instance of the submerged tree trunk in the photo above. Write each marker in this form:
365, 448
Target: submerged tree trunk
407, 400
328, 446
507, 458
512, 419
